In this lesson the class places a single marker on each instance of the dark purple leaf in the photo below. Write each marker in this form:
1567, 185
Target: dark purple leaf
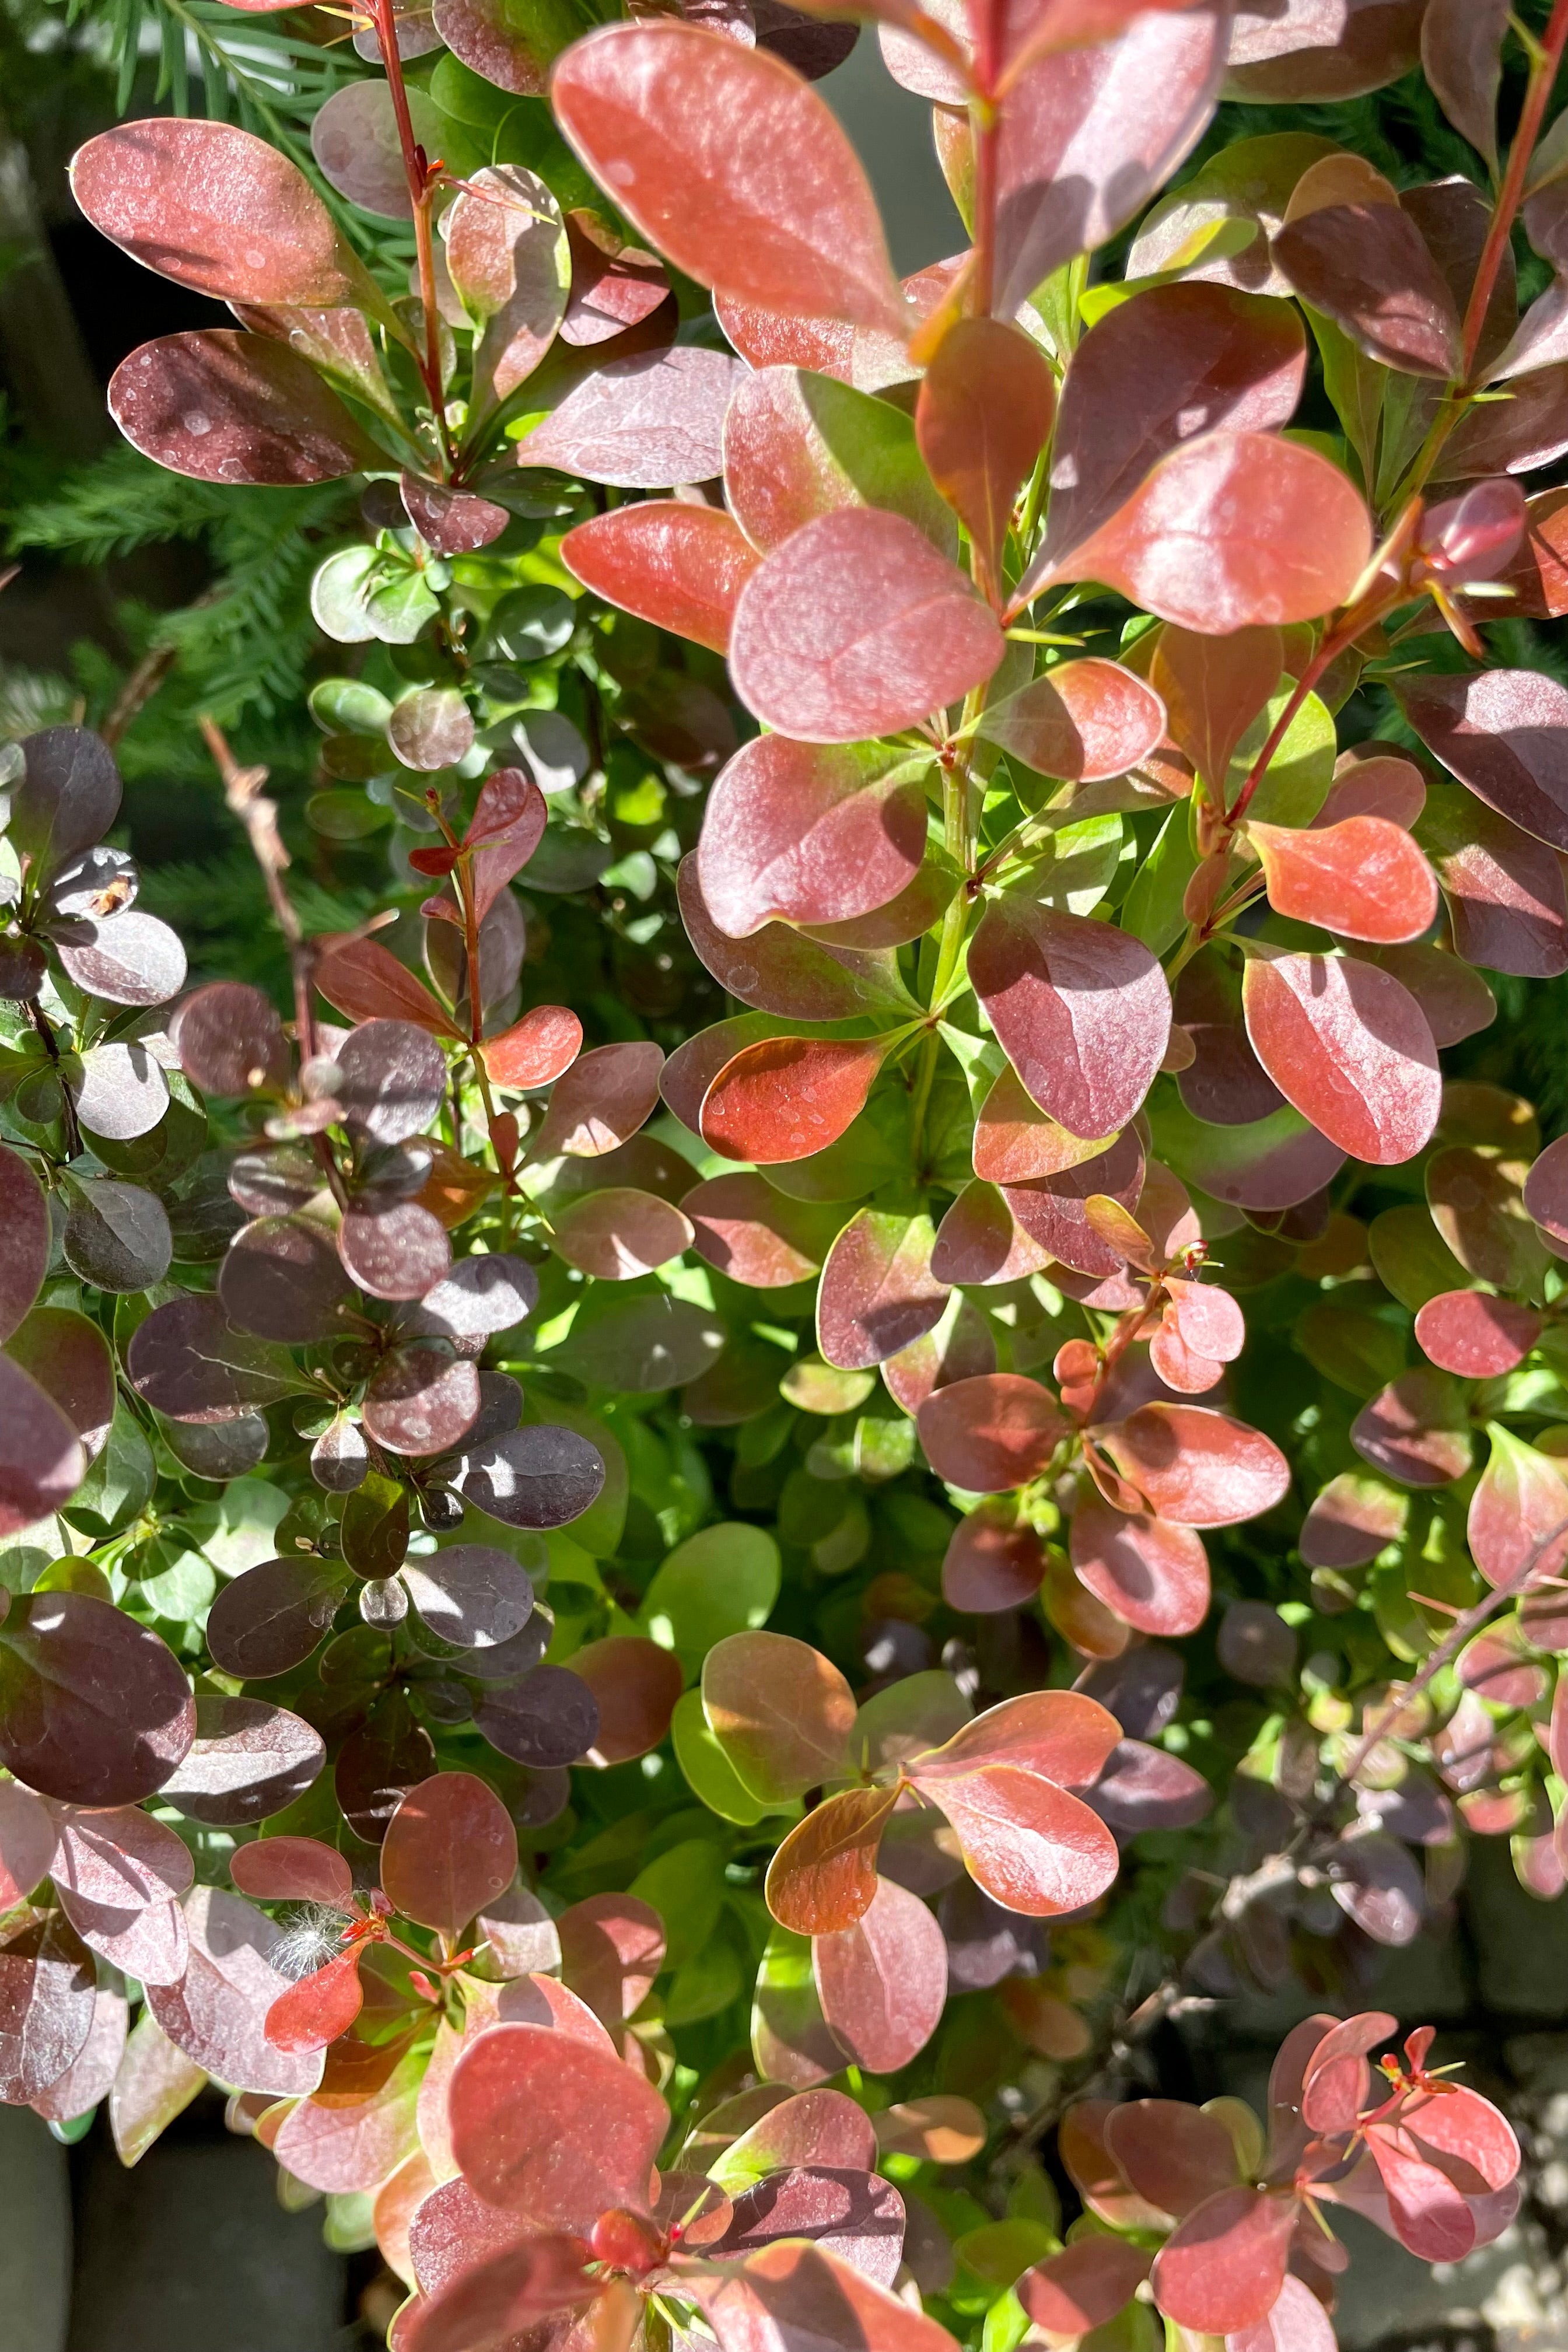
248, 1759
272, 1617
94, 1708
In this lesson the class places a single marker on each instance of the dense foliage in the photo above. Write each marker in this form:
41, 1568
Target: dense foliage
842, 1407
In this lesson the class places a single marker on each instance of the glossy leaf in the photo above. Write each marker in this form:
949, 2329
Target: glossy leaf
218, 210
272, 1617
985, 409
789, 1096
641, 423
1082, 722
1200, 1468
94, 1708
856, 627
515, 2099
1362, 878
1083, 2286
882, 1982
1518, 1518
681, 567
1032, 1847
1478, 1337
366, 982
1349, 1047
823, 1878
779, 1710
1081, 1010
1150, 1571
727, 162
799, 444
1169, 363
215, 2015
1222, 2271
756, 1235
451, 1848
604, 1097
1089, 133
1233, 530
1504, 733
538, 1047
25, 1215
1415, 1430
993, 1431
878, 1292
803, 833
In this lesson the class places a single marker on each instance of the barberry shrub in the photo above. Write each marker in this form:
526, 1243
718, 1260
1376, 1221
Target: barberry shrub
607, 1591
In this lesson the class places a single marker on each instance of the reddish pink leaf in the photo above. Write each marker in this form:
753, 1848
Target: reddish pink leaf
1169, 363
984, 414
1082, 722
781, 971
293, 1870
1232, 531
857, 627
1415, 1430
1015, 1141
992, 1562
799, 444
1087, 134
450, 1847
1351, 1521
823, 1878
219, 210
518, 2096
1459, 2123
725, 161
1349, 1047
318, 2008
794, 2295
758, 1236
1061, 1736
1324, 48
641, 423
883, 1981
1430, 2216
1517, 1517
1479, 1338
1081, 1011
1456, 1000
604, 1097
26, 1221
878, 1292
637, 1684
1095, 2172
493, 2301
1174, 2155
1367, 267
614, 287
538, 1047
27, 1839
1369, 782
1546, 1189
217, 2014
508, 826
780, 1711
789, 1096
1212, 689
1197, 1467
612, 1949
808, 833
1223, 2269
1502, 733
345, 2142
1152, 1574
1362, 878
980, 1241
227, 407
365, 980
681, 567
993, 1431
1030, 1846
1083, 2286
1503, 887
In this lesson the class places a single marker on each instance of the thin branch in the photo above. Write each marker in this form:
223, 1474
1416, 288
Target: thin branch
138, 691
242, 792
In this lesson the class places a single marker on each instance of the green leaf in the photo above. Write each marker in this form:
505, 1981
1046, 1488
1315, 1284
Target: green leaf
724, 1580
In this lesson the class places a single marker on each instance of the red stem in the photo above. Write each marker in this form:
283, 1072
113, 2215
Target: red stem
419, 197
1543, 75
986, 133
